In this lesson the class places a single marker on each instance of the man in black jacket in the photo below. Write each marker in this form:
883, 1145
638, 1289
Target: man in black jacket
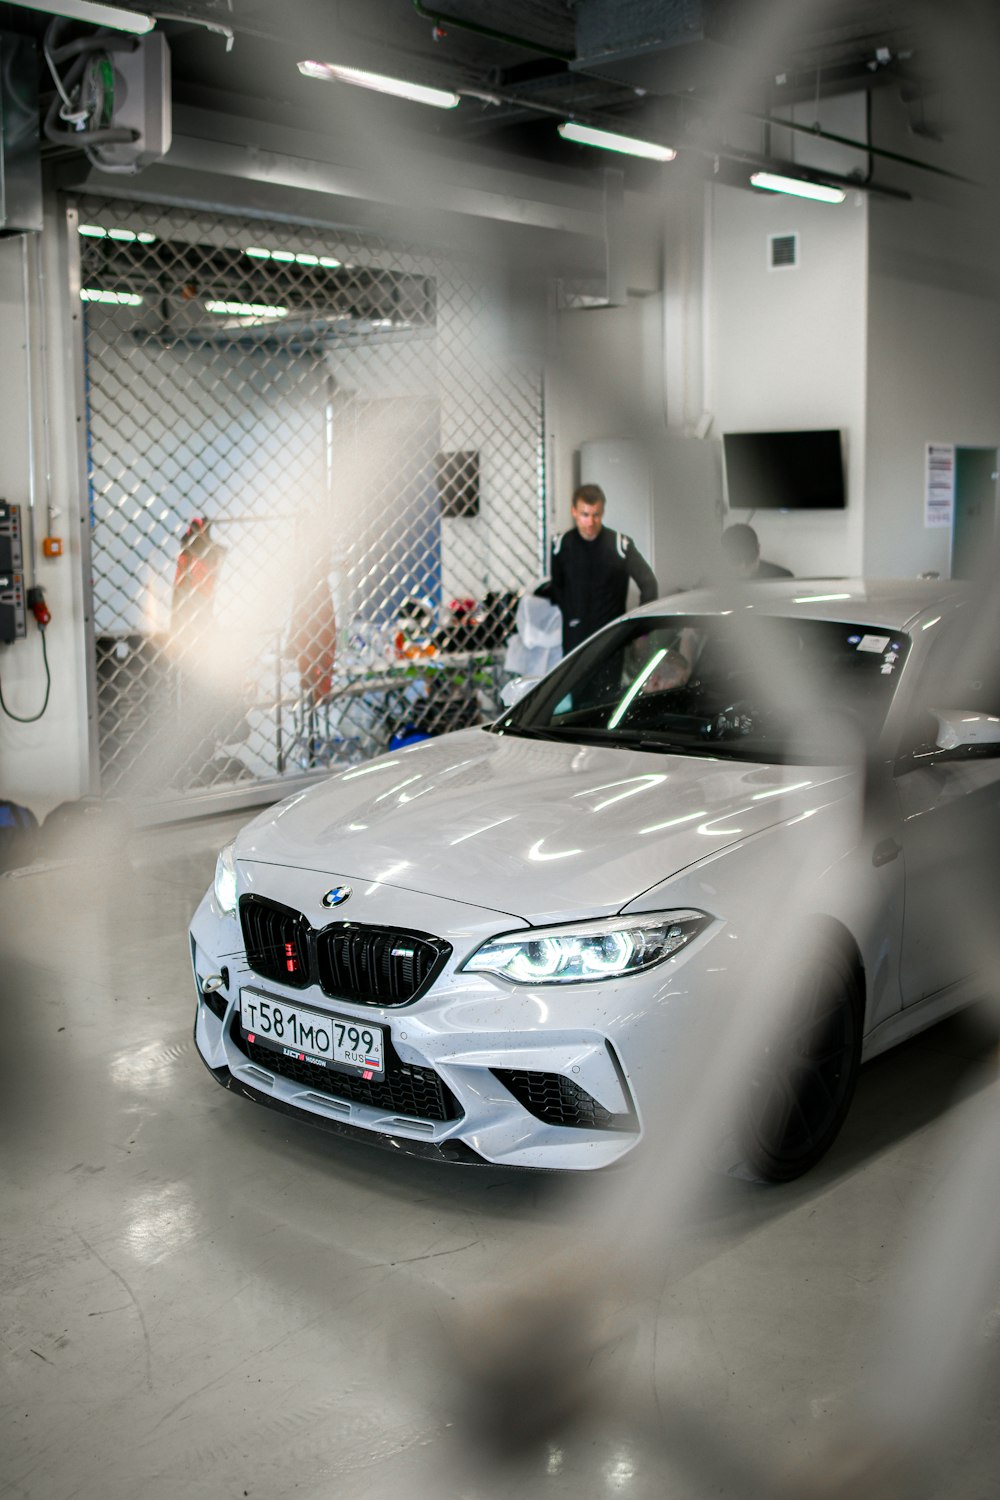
591, 567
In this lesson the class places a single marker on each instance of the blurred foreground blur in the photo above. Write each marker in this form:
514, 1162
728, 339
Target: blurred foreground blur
264, 1314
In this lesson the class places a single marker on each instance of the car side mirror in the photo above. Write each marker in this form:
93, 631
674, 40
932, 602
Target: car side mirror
963, 730
512, 692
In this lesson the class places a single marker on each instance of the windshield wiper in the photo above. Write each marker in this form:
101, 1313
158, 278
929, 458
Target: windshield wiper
526, 734
708, 750
568, 736
667, 747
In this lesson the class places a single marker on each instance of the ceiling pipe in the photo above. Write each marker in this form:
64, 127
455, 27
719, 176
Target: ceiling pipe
743, 158
843, 140
601, 121
531, 106
441, 18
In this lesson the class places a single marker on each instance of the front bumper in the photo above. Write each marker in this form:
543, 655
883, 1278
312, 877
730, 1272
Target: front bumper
477, 1070
455, 1152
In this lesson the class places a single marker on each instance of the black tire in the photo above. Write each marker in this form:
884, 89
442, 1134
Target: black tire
800, 1092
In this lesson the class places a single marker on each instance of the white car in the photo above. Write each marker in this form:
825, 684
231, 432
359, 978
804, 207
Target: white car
481, 947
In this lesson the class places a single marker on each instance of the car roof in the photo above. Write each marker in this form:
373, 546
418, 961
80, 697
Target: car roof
892, 602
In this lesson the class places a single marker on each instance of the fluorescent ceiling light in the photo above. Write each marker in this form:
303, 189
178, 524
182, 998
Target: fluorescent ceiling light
418, 92
301, 258
798, 187
119, 299
246, 310
128, 236
94, 13
586, 135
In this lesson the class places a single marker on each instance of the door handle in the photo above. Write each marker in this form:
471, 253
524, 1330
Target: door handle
885, 852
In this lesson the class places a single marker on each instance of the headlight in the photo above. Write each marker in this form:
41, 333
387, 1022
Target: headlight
587, 950
225, 880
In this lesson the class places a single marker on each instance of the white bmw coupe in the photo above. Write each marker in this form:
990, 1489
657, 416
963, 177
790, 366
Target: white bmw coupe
487, 946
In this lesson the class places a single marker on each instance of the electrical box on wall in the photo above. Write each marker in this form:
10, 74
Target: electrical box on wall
12, 619
11, 550
20, 151
138, 95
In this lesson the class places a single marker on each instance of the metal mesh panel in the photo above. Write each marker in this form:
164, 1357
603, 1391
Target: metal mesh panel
316, 490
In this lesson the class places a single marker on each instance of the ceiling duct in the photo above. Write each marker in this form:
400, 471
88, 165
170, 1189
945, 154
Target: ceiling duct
793, 50
656, 45
605, 285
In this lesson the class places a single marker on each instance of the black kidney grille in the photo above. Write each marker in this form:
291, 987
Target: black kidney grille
403, 1089
377, 965
556, 1100
348, 960
277, 941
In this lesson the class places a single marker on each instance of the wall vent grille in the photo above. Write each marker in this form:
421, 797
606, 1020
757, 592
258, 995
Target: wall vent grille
783, 251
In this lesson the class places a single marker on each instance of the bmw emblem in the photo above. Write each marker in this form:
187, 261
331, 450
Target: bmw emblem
337, 896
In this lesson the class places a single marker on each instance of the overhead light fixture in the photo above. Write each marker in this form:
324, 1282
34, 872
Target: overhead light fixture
607, 140
128, 236
116, 299
301, 258
798, 187
245, 310
418, 92
95, 14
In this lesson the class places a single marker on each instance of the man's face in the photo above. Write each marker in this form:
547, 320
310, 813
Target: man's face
588, 519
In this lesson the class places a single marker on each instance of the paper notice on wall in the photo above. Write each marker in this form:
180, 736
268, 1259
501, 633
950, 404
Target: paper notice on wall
939, 492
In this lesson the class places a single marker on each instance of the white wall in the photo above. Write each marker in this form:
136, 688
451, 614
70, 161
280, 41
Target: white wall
934, 300
46, 762
605, 374
786, 349
933, 368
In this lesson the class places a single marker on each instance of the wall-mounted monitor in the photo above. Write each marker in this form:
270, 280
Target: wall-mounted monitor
784, 470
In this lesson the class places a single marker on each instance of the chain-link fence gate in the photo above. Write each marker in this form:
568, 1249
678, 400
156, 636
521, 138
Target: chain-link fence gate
316, 488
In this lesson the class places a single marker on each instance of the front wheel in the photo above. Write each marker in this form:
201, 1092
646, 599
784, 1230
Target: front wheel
801, 1090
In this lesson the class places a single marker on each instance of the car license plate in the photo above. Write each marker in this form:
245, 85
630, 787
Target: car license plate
309, 1036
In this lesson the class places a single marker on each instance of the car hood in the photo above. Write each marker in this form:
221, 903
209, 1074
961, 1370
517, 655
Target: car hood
535, 829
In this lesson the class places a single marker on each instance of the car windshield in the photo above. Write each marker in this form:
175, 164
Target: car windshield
737, 686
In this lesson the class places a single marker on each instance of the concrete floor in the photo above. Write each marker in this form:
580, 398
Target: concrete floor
200, 1298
